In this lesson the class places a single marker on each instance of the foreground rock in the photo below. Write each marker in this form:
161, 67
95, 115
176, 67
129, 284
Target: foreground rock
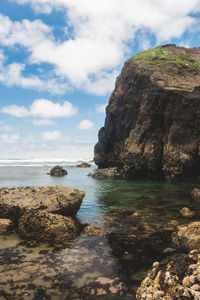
45, 226
84, 165
176, 277
62, 200
106, 173
187, 236
58, 171
142, 134
5, 225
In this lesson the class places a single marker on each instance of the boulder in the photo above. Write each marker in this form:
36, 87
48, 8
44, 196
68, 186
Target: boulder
14, 202
176, 277
187, 213
84, 165
195, 194
187, 236
44, 226
106, 173
58, 171
5, 225
152, 118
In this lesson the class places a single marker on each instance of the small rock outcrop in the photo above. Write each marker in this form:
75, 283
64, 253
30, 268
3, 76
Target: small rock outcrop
58, 171
14, 202
45, 226
176, 277
187, 236
84, 165
106, 173
152, 125
187, 213
5, 225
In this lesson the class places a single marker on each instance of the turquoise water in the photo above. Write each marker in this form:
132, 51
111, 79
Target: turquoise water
116, 256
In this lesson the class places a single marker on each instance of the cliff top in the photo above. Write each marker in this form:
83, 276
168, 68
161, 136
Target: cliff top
171, 67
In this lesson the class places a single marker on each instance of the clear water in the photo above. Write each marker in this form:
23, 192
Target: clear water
77, 272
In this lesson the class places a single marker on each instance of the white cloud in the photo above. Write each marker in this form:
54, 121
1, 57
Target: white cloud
12, 75
6, 128
51, 135
101, 35
42, 108
86, 125
9, 138
101, 108
43, 122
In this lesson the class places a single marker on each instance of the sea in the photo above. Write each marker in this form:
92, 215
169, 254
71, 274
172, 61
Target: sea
122, 207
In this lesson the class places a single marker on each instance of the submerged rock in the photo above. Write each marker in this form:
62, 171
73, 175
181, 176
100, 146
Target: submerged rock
106, 173
84, 165
187, 236
152, 119
92, 230
58, 171
195, 194
187, 213
5, 225
176, 277
45, 226
62, 200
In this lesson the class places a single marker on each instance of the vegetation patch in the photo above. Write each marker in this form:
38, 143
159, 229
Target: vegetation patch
161, 55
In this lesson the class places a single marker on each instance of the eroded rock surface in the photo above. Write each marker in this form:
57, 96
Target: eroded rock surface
176, 277
5, 225
187, 213
45, 226
93, 230
152, 126
84, 165
62, 200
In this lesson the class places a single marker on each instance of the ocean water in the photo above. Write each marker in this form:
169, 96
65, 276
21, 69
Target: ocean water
75, 272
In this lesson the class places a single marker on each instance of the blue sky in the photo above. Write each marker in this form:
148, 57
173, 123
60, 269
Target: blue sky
59, 60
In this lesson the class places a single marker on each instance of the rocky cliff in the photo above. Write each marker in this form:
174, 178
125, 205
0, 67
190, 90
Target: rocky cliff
152, 126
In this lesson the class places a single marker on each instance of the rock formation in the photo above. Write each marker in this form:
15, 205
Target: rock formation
84, 165
58, 171
152, 126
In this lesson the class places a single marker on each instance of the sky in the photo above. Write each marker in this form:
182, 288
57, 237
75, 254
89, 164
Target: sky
59, 60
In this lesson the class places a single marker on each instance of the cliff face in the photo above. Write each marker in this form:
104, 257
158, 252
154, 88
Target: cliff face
152, 126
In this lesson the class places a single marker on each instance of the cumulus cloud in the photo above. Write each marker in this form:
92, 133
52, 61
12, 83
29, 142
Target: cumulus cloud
101, 108
43, 122
9, 138
42, 108
100, 37
85, 125
51, 135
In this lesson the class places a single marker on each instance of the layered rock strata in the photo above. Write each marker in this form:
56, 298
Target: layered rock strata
152, 126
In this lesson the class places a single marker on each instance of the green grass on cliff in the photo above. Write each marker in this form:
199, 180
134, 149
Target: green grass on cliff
162, 55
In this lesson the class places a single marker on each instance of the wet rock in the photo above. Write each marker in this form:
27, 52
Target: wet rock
92, 230
63, 200
5, 225
45, 226
176, 277
187, 236
196, 194
84, 165
58, 171
142, 134
187, 213
106, 173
